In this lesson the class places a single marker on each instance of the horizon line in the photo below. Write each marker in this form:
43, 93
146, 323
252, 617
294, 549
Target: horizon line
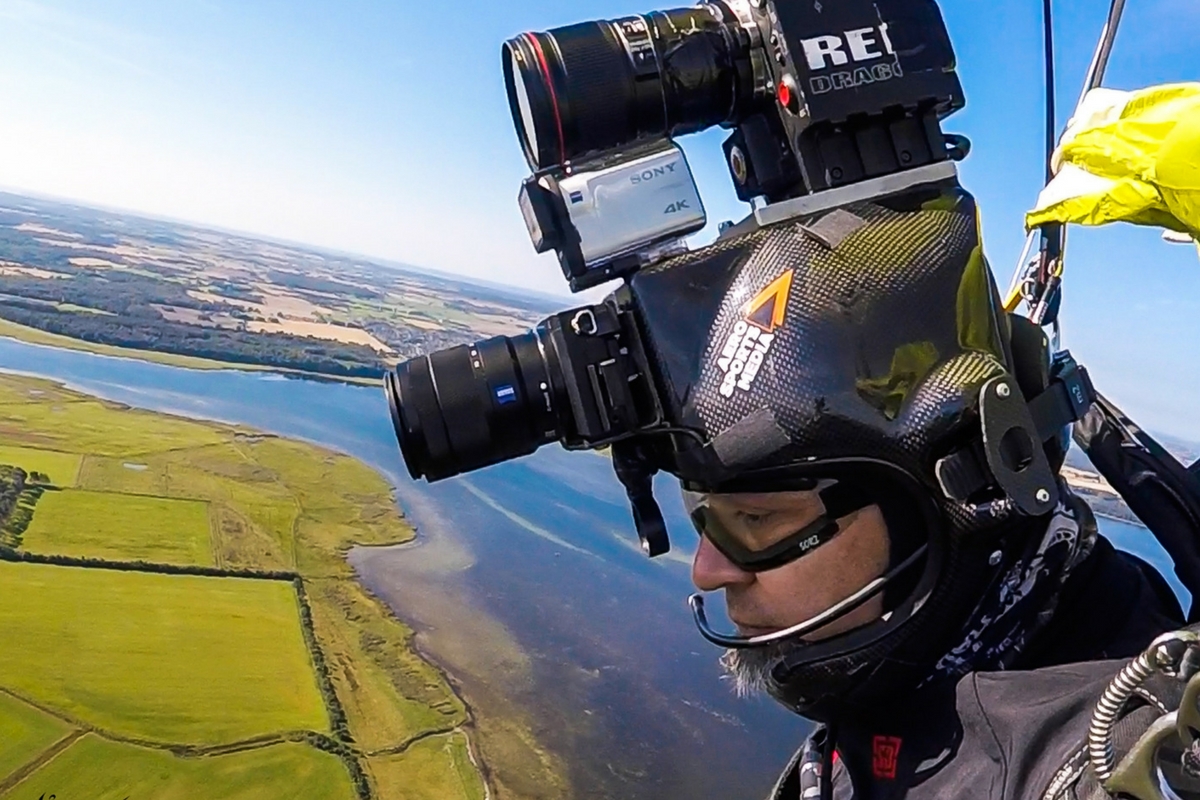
318, 249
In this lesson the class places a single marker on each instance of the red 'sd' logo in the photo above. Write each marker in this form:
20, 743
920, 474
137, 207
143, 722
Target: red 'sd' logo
885, 752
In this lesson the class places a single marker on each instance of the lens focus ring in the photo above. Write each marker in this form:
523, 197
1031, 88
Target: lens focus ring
470, 406
592, 87
597, 104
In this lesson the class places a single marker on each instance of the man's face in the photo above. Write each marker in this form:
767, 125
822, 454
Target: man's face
768, 601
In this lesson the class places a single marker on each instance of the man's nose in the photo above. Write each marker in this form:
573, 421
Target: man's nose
711, 570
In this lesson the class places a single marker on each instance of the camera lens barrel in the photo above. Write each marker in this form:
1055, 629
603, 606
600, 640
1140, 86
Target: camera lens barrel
595, 86
471, 406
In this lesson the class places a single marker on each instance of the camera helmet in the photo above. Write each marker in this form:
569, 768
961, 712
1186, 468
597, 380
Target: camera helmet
854, 348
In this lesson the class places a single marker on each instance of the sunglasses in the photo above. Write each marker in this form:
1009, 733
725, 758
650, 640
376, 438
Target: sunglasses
758, 535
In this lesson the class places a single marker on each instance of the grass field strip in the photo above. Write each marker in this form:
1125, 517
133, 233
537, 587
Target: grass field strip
80, 727
267, 510
43, 758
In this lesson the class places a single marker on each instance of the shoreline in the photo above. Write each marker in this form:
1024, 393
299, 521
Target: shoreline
469, 727
501, 739
35, 336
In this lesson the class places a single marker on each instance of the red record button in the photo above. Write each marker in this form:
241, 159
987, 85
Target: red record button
787, 94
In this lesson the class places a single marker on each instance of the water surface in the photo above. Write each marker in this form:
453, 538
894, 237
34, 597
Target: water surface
526, 583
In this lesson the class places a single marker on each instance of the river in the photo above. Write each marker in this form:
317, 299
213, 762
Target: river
526, 584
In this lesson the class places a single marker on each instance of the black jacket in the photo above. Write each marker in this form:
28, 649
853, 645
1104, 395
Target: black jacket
1005, 734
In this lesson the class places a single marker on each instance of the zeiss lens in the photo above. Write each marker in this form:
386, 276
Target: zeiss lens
595, 86
472, 406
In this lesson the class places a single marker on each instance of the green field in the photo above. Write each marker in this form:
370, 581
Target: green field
155, 660
389, 693
96, 769
121, 527
24, 732
36, 414
62, 468
172, 658
437, 768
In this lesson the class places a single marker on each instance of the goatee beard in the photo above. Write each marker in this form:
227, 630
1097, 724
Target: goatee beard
750, 668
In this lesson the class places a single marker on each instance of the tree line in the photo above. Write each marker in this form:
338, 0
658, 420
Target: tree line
13, 555
341, 743
142, 332
12, 483
125, 294
19, 495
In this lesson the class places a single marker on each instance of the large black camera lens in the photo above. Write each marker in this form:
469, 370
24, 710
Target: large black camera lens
595, 86
474, 405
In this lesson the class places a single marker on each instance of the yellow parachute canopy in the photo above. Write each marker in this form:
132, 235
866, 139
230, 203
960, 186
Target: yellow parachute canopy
1128, 157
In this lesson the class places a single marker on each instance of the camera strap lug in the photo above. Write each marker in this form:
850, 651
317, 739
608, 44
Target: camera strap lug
637, 476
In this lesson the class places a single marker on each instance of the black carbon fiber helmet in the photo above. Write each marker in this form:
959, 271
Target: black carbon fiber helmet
862, 345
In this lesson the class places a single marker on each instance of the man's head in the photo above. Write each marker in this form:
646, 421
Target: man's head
837, 392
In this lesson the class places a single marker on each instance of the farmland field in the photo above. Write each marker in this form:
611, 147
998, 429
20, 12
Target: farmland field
61, 468
97, 769
25, 731
172, 658
110, 525
129, 679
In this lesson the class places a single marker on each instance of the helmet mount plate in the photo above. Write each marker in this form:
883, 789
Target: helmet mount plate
1013, 447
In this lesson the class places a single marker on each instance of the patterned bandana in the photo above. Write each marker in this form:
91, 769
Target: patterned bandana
1024, 599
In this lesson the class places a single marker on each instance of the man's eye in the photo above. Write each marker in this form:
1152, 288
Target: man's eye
755, 517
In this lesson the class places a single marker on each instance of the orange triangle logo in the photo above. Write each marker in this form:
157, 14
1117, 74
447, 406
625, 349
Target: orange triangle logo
768, 307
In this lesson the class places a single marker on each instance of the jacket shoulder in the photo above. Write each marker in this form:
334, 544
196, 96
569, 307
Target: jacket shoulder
1032, 723
1009, 734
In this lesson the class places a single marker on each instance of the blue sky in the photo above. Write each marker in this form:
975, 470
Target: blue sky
382, 128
